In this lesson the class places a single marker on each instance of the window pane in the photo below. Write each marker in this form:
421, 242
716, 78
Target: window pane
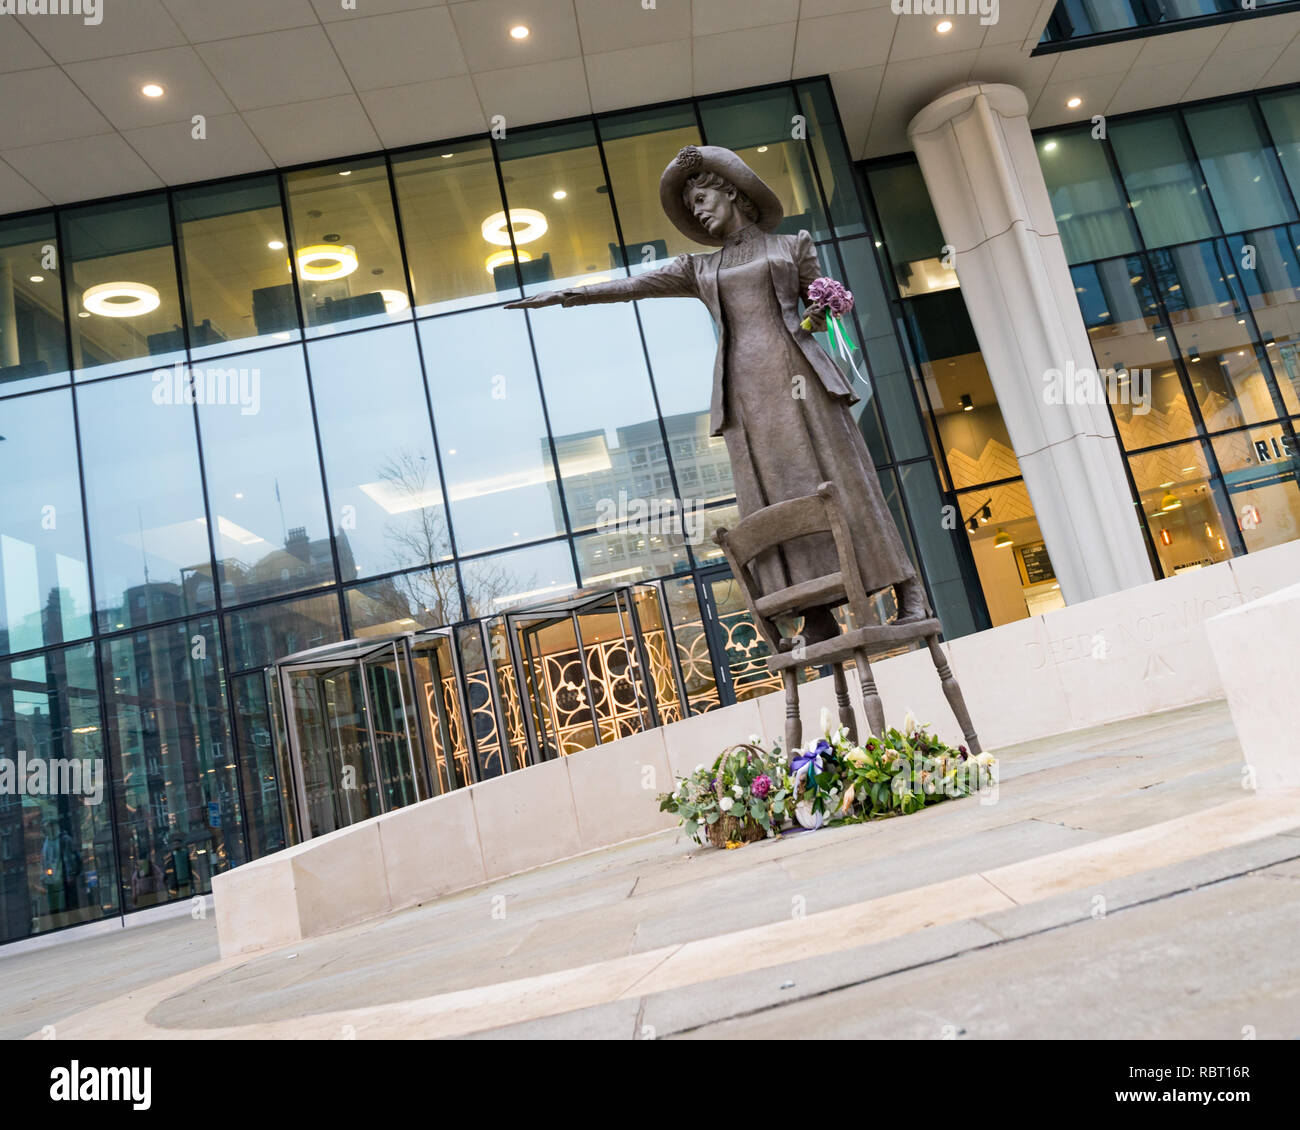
177, 801
121, 286
443, 198
349, 262
1282, 114
943, 569
632, 551
522, 576
560, 240
56, 843
496, 455
1207, 309
638, 147
380, 464
422, 598
1183, 510
833, 165
1169, 200
149, 542
478, 693
1015, 572
911, 229
258, 767
1273, 289
1087, 201
33, 351
259, 636
972, 433
264, 484
238, 282
1123, 320
601, 409
681, 340
757, 125
1242, 172
43, 584
1259, 471
889, 374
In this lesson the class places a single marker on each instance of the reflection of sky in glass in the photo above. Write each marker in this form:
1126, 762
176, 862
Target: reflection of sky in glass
42, 550
378, 445
264, 481
522, 576
157, 535
491, 429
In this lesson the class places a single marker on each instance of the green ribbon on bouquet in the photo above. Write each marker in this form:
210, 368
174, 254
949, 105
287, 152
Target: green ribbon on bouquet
841, 341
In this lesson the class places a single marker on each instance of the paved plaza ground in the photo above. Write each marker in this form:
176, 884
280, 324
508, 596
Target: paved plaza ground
1123, 884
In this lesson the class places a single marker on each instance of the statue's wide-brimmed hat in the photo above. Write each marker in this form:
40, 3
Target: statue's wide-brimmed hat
714, 159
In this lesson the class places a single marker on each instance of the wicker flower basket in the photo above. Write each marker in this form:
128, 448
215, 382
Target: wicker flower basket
730, 830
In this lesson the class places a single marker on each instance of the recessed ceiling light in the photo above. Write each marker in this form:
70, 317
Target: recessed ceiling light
559, 194
762, 149
1074, 103
446, 155
345, 173
37, 278
519, 32
943, 27
151, 90
276, 245
1049, 147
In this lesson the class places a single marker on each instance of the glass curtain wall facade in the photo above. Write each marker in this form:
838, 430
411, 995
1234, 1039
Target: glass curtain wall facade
245, 419
1180, 227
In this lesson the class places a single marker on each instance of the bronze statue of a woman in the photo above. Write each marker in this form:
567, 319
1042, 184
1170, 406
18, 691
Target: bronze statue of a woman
779, 402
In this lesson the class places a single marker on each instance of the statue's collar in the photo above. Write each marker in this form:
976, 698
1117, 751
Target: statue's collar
744, 235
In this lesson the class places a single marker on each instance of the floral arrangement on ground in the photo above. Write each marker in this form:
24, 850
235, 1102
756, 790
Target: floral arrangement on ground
750, 793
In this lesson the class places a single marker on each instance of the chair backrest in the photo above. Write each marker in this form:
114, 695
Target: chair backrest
784, 522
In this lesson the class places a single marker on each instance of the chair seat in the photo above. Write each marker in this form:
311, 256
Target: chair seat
806, 594
845, 644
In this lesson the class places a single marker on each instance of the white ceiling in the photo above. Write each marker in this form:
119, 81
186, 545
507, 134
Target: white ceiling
288, 81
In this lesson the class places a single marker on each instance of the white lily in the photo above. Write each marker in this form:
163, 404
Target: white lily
910, 724
826, 721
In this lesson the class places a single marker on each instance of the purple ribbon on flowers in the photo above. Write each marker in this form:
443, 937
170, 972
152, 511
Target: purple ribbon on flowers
812, 759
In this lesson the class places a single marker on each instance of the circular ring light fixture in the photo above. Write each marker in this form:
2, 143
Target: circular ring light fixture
501, 258
324, 261
395, 301
121, 299
496, 229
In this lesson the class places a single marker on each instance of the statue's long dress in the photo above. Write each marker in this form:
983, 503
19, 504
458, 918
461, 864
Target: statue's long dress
782, 446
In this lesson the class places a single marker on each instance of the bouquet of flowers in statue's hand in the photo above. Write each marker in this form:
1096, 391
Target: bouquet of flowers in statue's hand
832, 298
743, 796
829, 297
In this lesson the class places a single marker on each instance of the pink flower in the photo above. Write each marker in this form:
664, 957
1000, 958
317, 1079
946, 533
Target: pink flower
762, 786
826, 293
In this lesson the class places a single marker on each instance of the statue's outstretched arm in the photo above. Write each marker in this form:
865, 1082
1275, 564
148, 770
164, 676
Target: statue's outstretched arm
677, 280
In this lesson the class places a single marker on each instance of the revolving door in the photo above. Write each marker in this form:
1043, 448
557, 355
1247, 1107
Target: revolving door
349, 747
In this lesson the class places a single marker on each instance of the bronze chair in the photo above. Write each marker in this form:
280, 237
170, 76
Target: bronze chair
799, 517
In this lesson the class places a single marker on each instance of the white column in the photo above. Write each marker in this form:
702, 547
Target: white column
982, 172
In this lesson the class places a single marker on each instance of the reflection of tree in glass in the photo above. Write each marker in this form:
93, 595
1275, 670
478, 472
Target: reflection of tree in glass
431, 596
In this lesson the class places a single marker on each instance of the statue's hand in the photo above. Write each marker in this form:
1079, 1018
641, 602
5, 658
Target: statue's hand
550, 298
814, 321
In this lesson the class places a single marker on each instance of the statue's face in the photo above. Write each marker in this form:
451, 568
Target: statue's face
715, 209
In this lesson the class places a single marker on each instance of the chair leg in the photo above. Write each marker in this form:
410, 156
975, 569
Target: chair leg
842, 702
952, 692
793, 723
870, 696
